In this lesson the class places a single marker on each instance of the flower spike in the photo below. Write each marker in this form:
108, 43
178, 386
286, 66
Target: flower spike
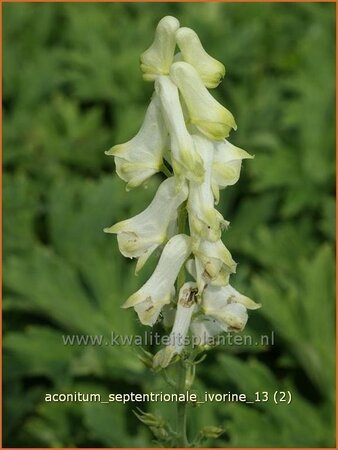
183, 137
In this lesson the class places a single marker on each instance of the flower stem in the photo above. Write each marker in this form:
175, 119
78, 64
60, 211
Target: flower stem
166, 171
181, 222
181, 428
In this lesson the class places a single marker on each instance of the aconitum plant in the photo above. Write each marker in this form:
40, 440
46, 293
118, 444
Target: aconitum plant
183, 136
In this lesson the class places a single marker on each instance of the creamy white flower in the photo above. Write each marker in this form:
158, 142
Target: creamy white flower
168, 315
159, 56
178, 57
209, 69
185, 307
226, 166
232, 317
185, 160
157, 291
209, 116
216, 297
142, 156
213, 263
227, 306
204, 329
204, 220
224, 309
140, 235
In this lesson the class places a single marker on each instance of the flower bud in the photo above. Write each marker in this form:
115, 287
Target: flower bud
209, 116
159, 56
209, 69
149, 419
211, 432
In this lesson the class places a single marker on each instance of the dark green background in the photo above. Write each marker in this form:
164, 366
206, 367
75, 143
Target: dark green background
72, 89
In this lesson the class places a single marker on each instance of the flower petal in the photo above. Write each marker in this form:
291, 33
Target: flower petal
185, 160
140, 235
156, 292
226, 166
204, 328
163, 357
159, 56
148, 311
233, 317
209, 116
141, 157
213, 263
227, 306
185, 308
204, 220
217, 297
209, 69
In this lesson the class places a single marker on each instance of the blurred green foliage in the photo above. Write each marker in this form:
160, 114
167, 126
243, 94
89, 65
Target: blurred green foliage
72, 88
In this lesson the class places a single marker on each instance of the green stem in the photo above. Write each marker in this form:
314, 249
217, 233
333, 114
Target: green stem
181, 221
167, 379
166, 171
181, 428
182, 218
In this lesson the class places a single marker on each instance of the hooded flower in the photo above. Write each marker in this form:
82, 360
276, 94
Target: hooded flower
185, 307
226, 166
141, 157
156, 292
215, 297
213, 263
159, 56
209, 69
224, 309
204, 220
185, 160
209, 116
139, 236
